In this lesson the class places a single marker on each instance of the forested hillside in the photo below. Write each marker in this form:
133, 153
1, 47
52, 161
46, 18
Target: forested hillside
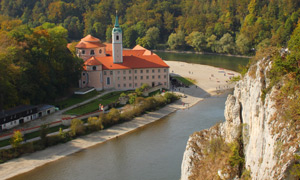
223, 26
37, 67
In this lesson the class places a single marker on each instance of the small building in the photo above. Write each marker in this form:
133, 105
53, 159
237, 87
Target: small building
44, 110
18, 115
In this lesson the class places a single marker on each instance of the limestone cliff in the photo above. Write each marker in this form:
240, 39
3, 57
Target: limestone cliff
267, 145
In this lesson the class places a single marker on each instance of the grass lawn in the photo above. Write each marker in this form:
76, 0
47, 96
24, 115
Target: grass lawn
33, 135
75, 99
186, 81
94, 105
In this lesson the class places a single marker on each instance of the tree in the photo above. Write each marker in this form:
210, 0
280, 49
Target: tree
130, 36
212, 43
196, 40
243, 44
77, 127
152, 37
226, 44
114, 115
176, 40
16, 139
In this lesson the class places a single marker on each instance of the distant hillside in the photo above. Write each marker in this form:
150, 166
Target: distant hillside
224, 26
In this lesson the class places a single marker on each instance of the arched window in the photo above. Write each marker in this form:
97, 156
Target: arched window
94, 68
108, 80
92, 52
117, 37
100, 51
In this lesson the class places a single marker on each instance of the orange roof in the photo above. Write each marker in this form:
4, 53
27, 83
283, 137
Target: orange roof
92, 62
88, 45
108, 46
132, 59
138, 47
90, 38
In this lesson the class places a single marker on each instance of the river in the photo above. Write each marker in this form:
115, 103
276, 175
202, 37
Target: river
227, 62
153, 152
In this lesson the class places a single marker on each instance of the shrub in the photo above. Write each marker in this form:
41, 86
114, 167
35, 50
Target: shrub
170, 97
113, 115
16, 139
77, 127
96, 122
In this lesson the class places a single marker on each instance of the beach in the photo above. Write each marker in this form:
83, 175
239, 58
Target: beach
209, 81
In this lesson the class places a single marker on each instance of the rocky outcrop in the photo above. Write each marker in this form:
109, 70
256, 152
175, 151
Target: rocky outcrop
254, 120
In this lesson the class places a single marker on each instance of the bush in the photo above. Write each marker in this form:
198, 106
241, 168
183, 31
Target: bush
170, 97
16, 139
77, 127
95, 122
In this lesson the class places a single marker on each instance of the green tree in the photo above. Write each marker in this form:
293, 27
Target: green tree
212, 43
243, 44
16, 139
177, 40
226, 44
130, 36
152, 37
95, 121
197, 40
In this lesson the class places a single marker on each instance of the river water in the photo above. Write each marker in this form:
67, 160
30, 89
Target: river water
153, 152
149, 153
227, 62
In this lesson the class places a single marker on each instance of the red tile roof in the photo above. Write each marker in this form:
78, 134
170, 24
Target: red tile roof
92, 62
132, 59
138, 47
90, 38
88, 45
108, 46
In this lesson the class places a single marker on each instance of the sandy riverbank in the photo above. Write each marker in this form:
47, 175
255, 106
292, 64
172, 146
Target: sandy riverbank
207, 85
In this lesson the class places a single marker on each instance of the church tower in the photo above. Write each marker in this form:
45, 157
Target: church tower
117, 45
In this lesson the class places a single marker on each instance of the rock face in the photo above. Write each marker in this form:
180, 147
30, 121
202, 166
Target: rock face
247, 114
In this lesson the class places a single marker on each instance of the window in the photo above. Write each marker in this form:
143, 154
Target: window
147, 77
108, 81
100, 51
124, 71
153, 70
119, 85
92, 52
129, 77
104, 72
83, 51
129, 84
94, 68
147, 71
141, 84
124, 85
135, 77
117, 37
135, 84
118, 72
129, 71
158, 76
83, 74
153, 77
135, 71
141, 71
165, 70
111, 72
83, 82
158, 70
118, 78
141, 77
124, 78
165, 76
165, 83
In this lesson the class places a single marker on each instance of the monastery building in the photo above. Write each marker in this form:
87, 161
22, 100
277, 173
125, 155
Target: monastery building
109, 66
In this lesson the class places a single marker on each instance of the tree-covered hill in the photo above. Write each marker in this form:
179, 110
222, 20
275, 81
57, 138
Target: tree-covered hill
223, 26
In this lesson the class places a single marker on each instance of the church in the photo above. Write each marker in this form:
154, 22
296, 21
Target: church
109, 66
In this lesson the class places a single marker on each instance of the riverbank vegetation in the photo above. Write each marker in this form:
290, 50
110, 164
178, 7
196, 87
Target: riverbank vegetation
79, 128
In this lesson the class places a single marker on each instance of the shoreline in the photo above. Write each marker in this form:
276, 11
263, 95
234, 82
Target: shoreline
32, 161
206, 87
204, 53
